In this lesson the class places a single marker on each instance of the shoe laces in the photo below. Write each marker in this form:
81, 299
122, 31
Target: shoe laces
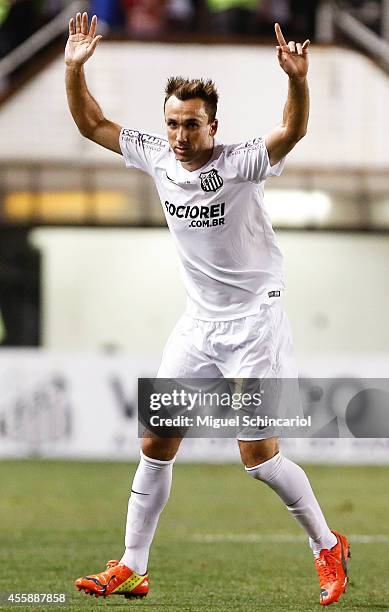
109, 565
326, 567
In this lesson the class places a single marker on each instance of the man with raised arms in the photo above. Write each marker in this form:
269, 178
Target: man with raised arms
234, 325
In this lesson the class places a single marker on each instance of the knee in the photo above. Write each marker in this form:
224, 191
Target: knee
255, 453
161, 449
267, 471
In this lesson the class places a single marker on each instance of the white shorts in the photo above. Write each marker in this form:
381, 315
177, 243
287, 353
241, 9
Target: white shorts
257, 346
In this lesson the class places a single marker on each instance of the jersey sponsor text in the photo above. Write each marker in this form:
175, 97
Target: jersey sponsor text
200, 215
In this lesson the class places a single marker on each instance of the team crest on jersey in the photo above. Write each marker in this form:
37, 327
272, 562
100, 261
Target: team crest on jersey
211, 181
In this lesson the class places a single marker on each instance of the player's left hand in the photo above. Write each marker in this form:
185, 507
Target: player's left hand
292, 56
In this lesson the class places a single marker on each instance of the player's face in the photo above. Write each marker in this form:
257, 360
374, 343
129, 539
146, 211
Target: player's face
189, 132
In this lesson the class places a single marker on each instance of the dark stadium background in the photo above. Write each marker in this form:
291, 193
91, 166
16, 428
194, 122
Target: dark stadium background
90, 288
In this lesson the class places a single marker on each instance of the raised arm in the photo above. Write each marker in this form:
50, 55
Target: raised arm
293, 59
86, 113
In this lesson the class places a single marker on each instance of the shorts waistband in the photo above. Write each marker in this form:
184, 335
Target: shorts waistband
268, 298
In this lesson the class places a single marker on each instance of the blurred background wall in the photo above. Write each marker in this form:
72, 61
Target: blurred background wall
88, 273
348, 94
336, 296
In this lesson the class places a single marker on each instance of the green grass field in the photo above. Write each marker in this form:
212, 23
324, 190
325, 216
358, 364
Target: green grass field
221, 543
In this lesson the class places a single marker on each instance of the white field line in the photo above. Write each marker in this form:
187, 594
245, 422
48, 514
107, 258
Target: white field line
255, 538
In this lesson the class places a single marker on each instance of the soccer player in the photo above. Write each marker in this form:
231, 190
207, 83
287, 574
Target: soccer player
235, 325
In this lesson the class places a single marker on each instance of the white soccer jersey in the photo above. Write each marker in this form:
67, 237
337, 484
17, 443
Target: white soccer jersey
216, 215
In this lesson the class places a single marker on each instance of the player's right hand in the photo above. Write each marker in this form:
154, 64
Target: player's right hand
82, 40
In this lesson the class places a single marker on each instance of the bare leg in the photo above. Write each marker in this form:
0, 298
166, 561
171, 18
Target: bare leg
255, 452
164, 449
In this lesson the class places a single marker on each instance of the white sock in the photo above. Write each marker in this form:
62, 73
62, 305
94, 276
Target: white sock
149, 494
290, 482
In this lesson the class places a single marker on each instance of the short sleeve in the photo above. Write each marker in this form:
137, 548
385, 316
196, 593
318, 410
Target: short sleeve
141, 150
251, 160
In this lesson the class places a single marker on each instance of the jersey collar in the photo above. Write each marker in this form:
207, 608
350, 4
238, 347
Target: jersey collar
176, 174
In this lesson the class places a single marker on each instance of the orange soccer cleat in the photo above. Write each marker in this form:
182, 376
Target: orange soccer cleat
331, 566
118, 579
